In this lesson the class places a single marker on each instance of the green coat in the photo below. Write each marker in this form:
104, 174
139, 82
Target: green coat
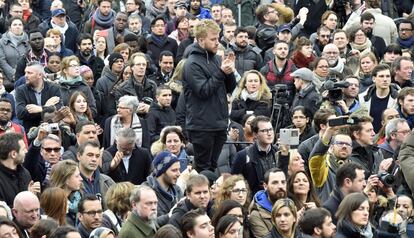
247, 11
135, 227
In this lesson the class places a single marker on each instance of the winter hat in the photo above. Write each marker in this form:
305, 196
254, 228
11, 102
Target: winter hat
84, 68
162, 162
114, 57
101, 232
303, 73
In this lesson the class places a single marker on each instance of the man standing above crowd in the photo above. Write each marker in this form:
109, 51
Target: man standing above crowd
205, 87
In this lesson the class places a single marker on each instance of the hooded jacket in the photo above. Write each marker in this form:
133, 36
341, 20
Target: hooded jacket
157, 118
247, 58
205, 90
260, 218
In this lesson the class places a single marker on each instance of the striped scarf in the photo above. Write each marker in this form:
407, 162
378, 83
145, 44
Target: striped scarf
116, 125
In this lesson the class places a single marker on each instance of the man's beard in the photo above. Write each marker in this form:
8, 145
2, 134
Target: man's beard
276, 196
280, 58
86, 53
368, 32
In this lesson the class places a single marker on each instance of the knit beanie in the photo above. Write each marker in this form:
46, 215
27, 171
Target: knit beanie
101, 232
114, 57
162, 162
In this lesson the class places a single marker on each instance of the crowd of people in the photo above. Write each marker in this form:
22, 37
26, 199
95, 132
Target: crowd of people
171, 118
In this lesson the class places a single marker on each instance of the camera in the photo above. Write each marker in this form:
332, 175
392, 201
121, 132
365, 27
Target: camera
147, 100
289, 136
280, 91
335, 88
386, 178
53, 128
340, 121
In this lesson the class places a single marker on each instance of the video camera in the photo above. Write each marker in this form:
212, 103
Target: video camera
335, 89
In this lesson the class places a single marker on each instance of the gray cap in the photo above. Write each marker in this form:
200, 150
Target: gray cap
303, 73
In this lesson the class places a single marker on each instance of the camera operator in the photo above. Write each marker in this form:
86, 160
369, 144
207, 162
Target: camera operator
330, 152
306, 94
379, 96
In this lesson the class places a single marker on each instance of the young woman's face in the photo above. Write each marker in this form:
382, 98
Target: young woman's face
125, 54
239, 192
372, 196
331, 22
367, 65
74, 181
233, 231
404, 207
252, 83
100, 44
237, 212
127, 73
80, 104
284, 219
299, 119
360, 217
53, 63
173, 143
301, 184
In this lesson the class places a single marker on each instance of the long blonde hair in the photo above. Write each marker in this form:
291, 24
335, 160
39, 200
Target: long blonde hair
264, 91
285, 202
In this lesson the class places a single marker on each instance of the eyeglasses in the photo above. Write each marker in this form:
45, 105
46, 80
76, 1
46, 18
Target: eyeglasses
239, 190
6, 110
404, 132
342, 143
49, 150
93, 213
268, 130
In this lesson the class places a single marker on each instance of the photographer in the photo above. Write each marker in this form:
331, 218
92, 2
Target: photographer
364, 152
349, 102
330, 152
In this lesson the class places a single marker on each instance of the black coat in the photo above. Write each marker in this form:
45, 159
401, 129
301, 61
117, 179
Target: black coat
205, 91
35, 164
240, 107
155, 49
251, 168
182, 208
157, 118
333, 202
139, 166
247, 58
275, 234
66, 90
309, 98
13, 182
95, 63
25, 95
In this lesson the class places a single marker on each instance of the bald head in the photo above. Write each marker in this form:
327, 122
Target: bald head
26, 208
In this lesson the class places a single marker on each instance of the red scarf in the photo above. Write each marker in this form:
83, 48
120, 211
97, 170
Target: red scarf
301, 61
26, 14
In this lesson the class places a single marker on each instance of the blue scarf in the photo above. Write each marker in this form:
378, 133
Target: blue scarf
406, 43
159, 40
104, 21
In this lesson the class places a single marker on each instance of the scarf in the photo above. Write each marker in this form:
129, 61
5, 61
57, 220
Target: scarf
318, 81
26, 14
366, 46
70, 81
15, 39
159, 40
116, 125
62, 29
406, 43
339, 66
182, 35
246, 95
153, 11
300, 60
104, 21
48, 167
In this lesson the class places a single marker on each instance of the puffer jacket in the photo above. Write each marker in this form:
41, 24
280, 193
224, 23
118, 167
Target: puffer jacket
11, 54
129, 87
205, 90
